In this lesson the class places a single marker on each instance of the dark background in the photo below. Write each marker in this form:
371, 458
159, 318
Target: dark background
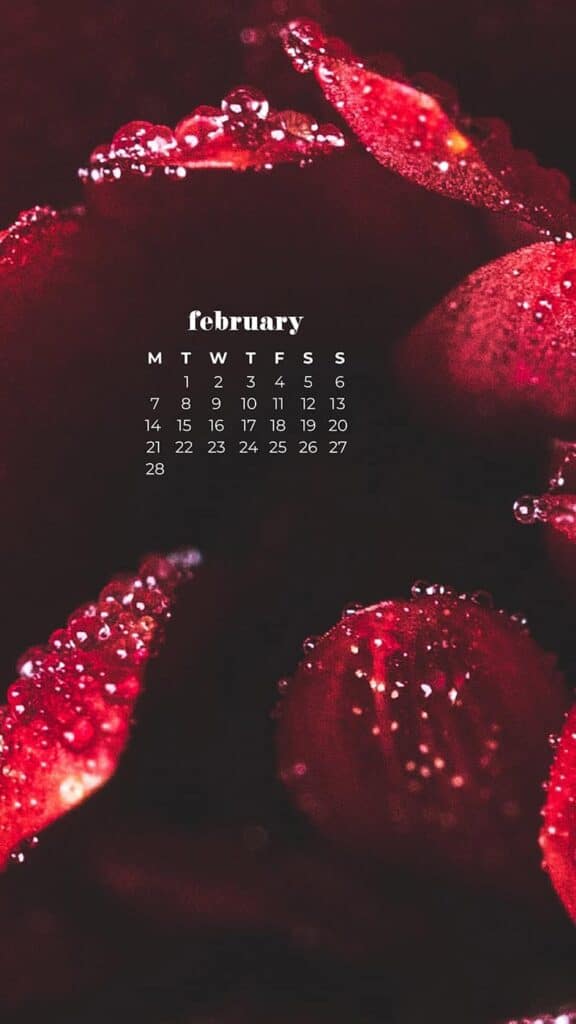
106, 919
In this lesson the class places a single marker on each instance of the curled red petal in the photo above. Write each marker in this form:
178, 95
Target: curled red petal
417, 731
409, 132
243, 133
68, 714
504, 341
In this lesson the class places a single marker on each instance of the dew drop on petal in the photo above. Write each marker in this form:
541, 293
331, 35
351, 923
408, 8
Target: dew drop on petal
243, 133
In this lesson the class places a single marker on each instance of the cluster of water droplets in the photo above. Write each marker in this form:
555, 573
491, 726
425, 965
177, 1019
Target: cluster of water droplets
556, 506
21, 852
480, 598
569, 1017
244, 132
307, 45
434, 596
544, 307
19, 242
408, 130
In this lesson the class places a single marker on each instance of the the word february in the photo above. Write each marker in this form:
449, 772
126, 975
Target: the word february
219, 321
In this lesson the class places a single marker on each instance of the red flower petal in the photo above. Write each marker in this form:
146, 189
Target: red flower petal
244, 133
504, 340
68, 714
41, 231
409, 132
558, 837
419, 730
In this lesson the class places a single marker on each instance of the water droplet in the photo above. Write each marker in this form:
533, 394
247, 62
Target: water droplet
202, 126
303, 41
29, 663
420, 588
79, 733
141, 138
245, 106
519, 619
19, 855
568, 284
542, 308
301, 126
530, 509
18, 698
352, 609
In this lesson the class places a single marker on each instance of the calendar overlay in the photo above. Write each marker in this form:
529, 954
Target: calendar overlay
244, 391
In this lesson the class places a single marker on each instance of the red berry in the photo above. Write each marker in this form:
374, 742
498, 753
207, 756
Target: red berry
419, 729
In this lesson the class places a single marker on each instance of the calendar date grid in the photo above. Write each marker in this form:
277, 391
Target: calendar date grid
218, 406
